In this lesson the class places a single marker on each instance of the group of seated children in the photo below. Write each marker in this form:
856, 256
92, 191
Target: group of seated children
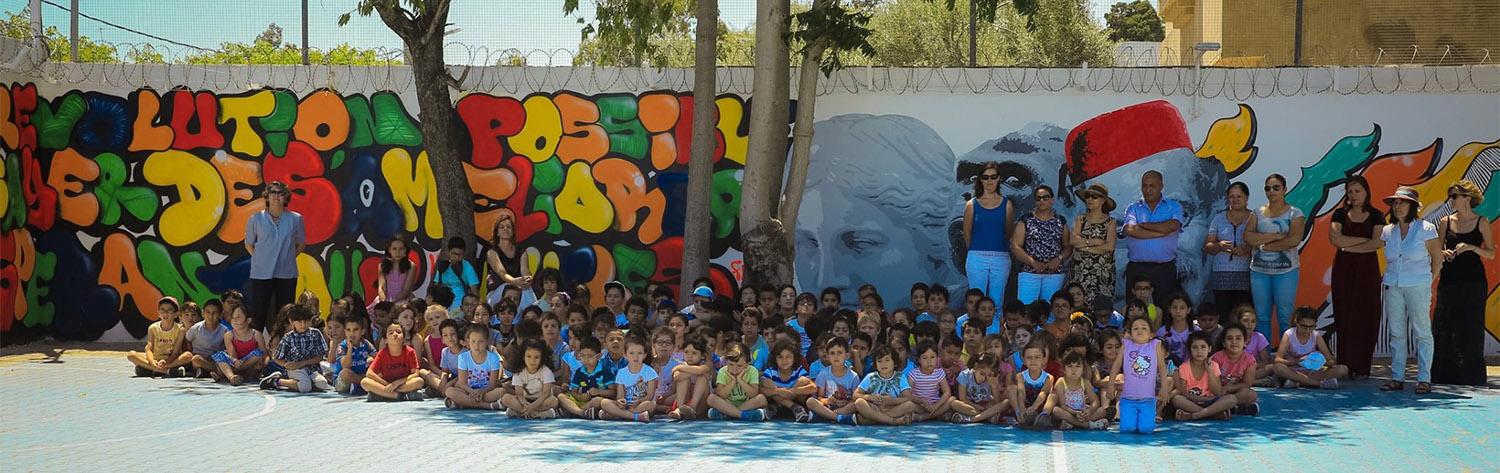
1036, 366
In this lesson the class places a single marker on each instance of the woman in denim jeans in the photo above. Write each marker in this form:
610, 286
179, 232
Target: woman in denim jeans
1040, 243
1413, 254
987, 221
1274, 232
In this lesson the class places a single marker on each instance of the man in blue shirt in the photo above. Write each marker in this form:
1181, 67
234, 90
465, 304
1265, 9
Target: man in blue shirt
273, 237
1153, 225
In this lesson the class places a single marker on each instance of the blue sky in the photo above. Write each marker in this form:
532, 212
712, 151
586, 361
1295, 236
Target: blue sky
488, 27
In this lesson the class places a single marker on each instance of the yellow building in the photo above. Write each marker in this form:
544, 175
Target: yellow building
1334, 32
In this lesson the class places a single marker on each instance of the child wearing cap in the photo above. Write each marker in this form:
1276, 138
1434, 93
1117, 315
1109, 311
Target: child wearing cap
163, 355
701, 296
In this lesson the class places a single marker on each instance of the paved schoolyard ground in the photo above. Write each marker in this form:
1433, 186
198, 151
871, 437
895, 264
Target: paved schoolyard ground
84, 412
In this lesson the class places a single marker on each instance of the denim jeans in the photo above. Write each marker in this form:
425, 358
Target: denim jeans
1408, 308
1273, 291
988, 271
1138, 415
1032, 286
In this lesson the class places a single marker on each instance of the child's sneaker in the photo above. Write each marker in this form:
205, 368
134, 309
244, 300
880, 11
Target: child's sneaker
411, 396
591, 413
1098, 424
270, 381
847, 419
450, 404
1289, 384
143, 373
173, 372
371, 397
801, 414
1253, 409
958, 418
1266, 382
547, 414
714, 414
754, 415
1330, 383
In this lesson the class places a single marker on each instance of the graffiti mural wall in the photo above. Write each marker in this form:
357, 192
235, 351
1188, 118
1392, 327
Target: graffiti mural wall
114, 198
112, 201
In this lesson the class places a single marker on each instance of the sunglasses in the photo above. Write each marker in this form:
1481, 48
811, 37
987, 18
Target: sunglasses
989, 177
1455, 196
1092, 197
1309, 327
1273, 188
1044, 197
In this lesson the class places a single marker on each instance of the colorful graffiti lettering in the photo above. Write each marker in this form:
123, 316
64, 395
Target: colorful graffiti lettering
112, 202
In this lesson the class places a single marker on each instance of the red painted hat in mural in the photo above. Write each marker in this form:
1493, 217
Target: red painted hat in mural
1114, 139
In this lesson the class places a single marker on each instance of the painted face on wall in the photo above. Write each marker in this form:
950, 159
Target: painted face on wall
1028, 158
878, 201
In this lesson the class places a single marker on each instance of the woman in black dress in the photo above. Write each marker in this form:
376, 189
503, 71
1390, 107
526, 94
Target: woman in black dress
1458, 322
1356, 276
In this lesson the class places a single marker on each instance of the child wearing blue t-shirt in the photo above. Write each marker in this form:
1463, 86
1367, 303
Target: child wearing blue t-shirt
455, 273
834, 388
980, 394
785, 383
351, 363
478, 383
634, 386
881, 396
591, 384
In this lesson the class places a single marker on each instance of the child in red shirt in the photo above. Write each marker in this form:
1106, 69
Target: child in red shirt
394, 375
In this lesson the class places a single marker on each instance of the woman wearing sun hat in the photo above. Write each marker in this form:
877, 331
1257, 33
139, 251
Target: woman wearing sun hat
1458, 320
1094, 242
1413, 255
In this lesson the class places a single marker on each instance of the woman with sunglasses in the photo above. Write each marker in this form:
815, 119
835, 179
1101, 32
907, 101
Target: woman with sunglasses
1275, 233
1094, 236
1040, 243
273, 237
1458, 322
987, 224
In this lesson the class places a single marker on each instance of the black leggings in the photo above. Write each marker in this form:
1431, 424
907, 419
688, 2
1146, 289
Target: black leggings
266, 296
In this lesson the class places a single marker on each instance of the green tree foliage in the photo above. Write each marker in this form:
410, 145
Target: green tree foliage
1065, 36
636, 32
736, 48
926, 33
267, 48
1134, 21
18, 26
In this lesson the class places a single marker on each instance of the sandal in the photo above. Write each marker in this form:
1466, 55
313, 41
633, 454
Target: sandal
1424, 388
1393, 386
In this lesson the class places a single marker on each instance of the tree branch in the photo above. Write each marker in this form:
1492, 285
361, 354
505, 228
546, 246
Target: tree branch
437, 20
398, 19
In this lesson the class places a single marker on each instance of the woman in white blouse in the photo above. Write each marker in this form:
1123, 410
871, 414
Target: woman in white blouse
1413, 254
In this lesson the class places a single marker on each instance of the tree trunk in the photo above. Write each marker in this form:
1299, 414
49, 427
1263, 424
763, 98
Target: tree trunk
802, 134
695, 253
768, 258
423, 37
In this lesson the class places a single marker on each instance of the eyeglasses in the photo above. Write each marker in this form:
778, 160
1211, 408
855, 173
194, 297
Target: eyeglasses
990, 177
1273, 188
1044, 197
1307, 326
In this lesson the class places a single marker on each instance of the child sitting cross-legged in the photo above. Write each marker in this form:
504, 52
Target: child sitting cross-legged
164, 355
738, 393
882, 396
785, 382
477, 385
692, 379
977, 389
929, 382
591, 383
352, 356
834, 387
299, 353
394, 375
635, 383
531, 394
1200, 395
1073, 403
1032, 386
243, 354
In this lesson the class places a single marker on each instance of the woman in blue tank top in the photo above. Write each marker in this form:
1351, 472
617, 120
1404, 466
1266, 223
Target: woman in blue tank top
987, 222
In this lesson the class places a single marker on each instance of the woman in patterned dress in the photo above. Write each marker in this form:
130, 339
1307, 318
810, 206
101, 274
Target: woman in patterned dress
1094, 237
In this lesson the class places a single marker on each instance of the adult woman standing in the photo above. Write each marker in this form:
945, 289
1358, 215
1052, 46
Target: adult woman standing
1230, 276
1094, 236
1275, 233
1413, 254
1040, 242
503, 259
273, 237
1356, 276
1458, 322
987, 219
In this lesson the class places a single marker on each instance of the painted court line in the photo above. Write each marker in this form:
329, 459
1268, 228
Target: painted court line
1059, 454
266, 408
